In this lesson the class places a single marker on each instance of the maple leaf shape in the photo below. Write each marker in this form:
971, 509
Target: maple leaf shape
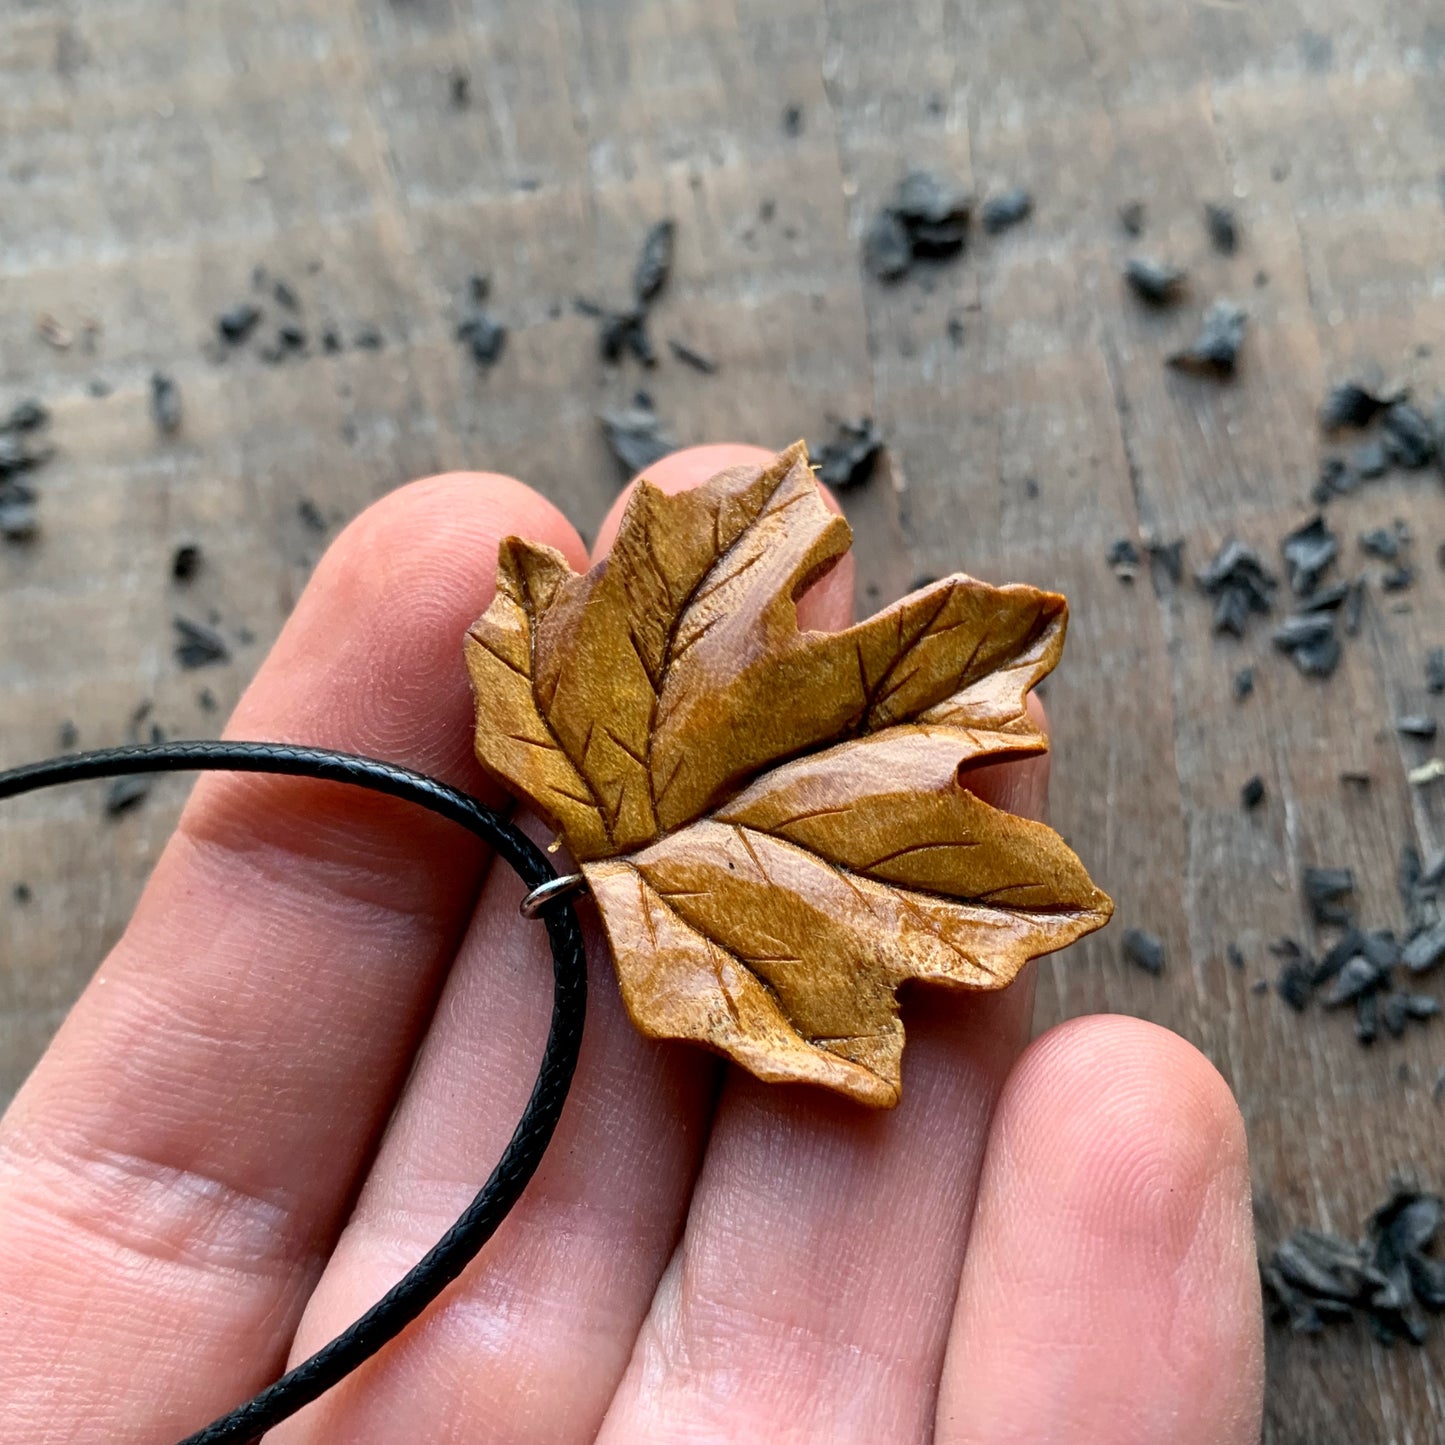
776, 824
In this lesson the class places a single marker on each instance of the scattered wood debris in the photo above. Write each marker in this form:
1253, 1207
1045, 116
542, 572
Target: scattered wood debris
186, 562
927, 217
125, 794
1355, 403
198, 645
1240, 584
690, 356
1223, 228
21, 452
654, 261
1308, 552
1389, 1278
847, 459
1144, 950
1216, 350
1006, 210
636, 435
1124, 559
1155, 281
165, 403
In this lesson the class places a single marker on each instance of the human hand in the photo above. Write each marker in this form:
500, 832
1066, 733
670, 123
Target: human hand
228, 1152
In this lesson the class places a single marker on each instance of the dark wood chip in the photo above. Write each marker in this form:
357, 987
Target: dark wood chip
1325, 599
654, 261
1397, 578
186, 562
198, 645
1216, 350
637, 436
793, 120
1335, 480
485, 338
1243, 683
1252, 793
1435, 670
1309, 639
689, 356
1123, 558
1370, 460
624, 333
1425, 950
165, 402
236, 323
1008, 209
847, 459
1409, 438
19, 514
126, 793
1132, 216
1417, 725
1222, 226
1323, 889
1240, 584
1354, 403
1359, 976
29, 415
887, 249
1144, 950
1384, 542
1367, 1018
1154, 281
1308, 552
368, 338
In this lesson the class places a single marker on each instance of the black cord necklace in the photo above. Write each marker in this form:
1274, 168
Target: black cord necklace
460, 1244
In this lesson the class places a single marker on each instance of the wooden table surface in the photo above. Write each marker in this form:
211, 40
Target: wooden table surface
156, 151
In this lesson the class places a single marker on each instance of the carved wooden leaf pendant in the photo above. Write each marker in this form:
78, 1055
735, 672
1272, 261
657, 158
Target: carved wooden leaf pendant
776, 824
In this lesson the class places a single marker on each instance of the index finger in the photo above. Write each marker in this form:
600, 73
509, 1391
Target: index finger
176, 1168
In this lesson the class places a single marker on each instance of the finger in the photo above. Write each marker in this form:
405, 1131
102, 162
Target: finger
1110, 1295
823, 1245
533, 1339
178, 1164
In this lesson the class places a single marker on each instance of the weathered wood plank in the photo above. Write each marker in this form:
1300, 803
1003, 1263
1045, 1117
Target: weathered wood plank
157, 151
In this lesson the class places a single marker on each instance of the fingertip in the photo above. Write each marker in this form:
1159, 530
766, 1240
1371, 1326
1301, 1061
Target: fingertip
445, 513
1114, 1239
383, 617
1133, 1112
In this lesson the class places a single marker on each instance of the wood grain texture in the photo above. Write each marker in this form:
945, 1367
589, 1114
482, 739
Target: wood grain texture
157, 150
